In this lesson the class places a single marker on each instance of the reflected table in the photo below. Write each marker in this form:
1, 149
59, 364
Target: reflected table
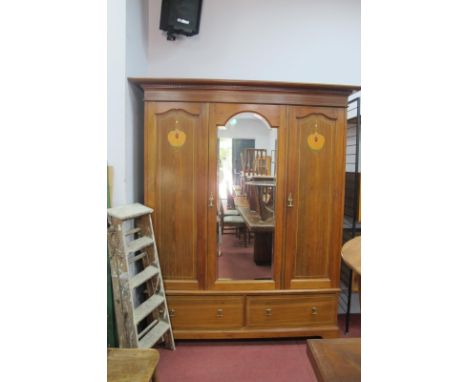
263, 230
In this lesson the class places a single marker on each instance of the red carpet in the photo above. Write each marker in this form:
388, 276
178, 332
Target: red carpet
242, 361
236, 261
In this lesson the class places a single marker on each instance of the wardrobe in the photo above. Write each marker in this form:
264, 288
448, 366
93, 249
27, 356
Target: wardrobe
182, 117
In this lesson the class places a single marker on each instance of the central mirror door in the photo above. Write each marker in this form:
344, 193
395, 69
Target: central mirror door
244, 149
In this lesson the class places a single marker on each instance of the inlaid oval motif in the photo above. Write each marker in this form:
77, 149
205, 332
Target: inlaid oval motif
316, 141
176, 138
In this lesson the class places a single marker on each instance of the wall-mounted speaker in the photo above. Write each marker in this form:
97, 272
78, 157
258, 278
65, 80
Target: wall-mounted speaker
180, 17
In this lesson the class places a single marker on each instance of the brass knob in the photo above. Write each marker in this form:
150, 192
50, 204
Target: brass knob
314, 310
268, 312
171, 312
290, 200
211, 200
219, 313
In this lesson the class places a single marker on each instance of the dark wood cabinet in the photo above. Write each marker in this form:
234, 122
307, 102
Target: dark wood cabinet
181, 121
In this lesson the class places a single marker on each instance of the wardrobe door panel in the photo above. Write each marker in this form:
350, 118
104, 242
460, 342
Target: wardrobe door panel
176, 164
314, 196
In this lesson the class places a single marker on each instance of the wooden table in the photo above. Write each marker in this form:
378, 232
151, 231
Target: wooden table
132, 365
336, 360
351, 254
241, 201
263, 230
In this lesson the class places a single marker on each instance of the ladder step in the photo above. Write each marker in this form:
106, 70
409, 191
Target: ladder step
137, 257
154, 335
147, 307
130, 211
132, 231
143, 276
138, 244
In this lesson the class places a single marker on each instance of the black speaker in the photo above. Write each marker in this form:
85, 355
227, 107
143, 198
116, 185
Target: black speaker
180, 17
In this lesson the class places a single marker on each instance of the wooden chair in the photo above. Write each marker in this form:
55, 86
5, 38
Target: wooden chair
230, 200
232, 224
254, 162
228, 211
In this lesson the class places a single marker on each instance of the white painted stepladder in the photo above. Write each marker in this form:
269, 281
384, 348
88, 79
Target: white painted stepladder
131, 240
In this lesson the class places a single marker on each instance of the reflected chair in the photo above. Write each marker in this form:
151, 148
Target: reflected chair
228, 211
232, 224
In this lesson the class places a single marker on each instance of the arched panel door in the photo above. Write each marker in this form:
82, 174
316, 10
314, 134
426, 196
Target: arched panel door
314, 197
176, 163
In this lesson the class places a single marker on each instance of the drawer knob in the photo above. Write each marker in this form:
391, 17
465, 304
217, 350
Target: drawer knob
171, 312
268, 312
314, 310
219, 313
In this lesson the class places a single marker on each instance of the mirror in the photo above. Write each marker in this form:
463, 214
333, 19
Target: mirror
247, 158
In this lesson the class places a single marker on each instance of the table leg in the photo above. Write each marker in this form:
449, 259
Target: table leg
263, 246
348, 305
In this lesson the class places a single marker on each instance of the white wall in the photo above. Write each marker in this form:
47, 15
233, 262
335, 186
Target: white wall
136, 66
252, 129
314, 41
278, 40
116, 84
127, 57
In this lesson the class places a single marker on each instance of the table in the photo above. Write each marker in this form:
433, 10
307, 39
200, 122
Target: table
336, 360
241, 201
132, 365
263, 230
351, 254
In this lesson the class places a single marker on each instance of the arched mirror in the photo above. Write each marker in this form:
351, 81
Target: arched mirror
246, 180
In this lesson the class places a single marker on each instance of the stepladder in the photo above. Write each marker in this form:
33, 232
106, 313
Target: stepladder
141, 311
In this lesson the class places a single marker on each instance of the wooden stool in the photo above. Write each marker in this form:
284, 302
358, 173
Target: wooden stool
132, 365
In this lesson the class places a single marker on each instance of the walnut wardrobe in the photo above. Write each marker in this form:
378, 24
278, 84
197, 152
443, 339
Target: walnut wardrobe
300, 298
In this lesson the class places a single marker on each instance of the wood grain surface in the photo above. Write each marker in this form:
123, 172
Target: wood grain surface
175, 187
336, 360
131, 365
315, 182
351, 254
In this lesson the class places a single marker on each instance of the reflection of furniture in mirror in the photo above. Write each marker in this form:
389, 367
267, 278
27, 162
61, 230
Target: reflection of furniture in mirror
238, 146
181, 170
254, 162
232, 222
263, 235
230, 199
259, 216
261, 196
274, 160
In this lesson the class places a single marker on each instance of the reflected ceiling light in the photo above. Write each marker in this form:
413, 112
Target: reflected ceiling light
233, 122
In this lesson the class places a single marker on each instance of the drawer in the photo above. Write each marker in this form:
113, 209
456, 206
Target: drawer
291, 311
210, 313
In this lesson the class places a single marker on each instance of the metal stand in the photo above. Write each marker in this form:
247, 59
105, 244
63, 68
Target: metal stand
355, 202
